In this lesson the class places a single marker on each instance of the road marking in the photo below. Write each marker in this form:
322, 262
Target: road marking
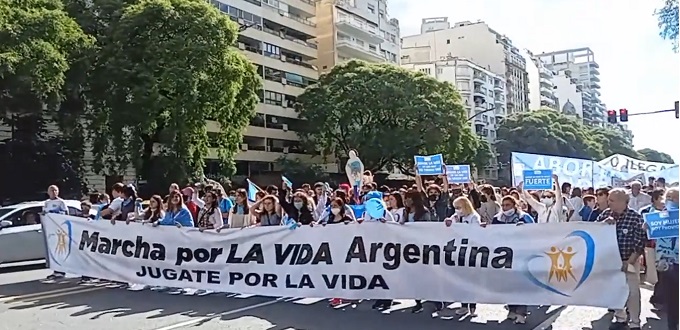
551, 319
230, 312
50, 294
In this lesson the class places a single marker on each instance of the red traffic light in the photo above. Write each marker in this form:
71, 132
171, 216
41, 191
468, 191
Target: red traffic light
611, 116
623, 114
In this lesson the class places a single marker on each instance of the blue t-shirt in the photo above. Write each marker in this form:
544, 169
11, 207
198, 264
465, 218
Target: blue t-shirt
226, 205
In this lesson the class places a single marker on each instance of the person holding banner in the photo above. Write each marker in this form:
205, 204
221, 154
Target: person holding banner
300, 208
177, 213
54, 204
631, 242
240, 213
551, 205
209, 215
155, 210
395, 204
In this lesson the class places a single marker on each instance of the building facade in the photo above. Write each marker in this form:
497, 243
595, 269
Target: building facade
569, 95
355, 29
477, 42
580, 64
279, 40
482, 91
540, 82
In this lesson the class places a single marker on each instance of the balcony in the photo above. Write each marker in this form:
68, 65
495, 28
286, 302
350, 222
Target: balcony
479, 78
358, 49
281, 39
498, 87
499, 99
281, 17
281, 62
546, 92
480, 92
281, 87
307, 6
545, 73
594, 84
544, 82
595, 78
362, 30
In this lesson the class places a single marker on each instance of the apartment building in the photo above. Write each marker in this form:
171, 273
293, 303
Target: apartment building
541, 85
483, 93
480, 44
355, 29
278, 39
580, 64
569, 94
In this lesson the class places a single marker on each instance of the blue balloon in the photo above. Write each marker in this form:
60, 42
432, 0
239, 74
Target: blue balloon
375, 208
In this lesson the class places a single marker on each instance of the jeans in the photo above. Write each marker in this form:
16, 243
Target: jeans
670, 296
633, 305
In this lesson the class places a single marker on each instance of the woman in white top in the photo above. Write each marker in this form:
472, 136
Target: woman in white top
464, 213
576, 202
209, 216
490, 206
395, 204
550, 208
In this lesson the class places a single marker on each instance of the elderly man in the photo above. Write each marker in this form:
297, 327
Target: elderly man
631, 237
637, 198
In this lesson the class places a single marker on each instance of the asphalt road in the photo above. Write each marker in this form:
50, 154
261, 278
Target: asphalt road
27, 304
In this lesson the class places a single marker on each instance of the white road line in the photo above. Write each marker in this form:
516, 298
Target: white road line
550, 320
230, 312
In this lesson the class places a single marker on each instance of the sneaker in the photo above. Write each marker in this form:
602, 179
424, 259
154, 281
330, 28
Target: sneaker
175, 291
202, 293
511, 316
462, 311
618, 326
521, 319
335, 302
417, 308
137, 287
55, 276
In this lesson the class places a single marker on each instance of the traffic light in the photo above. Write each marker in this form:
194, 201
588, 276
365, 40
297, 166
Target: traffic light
677, 110
611, 116
623, 114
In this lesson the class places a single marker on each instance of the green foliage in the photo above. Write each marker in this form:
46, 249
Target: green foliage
668, 21
388, 114
299, 172
164, 67
38, 43
656, 156
549, 132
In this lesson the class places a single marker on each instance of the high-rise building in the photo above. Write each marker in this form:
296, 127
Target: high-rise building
477, 42
483, 93
580, 64
355, 29
277, 37
541, 85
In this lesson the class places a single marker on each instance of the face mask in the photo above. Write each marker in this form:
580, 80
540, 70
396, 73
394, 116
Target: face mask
509, 212
671, 205
433, 198
298, 205
335, 210
232, 198
547, 201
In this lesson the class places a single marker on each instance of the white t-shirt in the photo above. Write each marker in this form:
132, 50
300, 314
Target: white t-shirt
116, 204
473, 218
577, 204
398, 214
56, 205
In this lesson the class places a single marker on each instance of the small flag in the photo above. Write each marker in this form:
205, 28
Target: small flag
288, 183
252, 190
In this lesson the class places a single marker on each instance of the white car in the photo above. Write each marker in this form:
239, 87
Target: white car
21, 236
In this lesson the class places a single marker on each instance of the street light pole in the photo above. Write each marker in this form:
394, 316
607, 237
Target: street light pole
481, 112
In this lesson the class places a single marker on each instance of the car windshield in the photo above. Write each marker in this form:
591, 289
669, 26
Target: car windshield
4, 211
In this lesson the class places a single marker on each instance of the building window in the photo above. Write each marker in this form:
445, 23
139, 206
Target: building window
372, 48
273, 98
448, 41
371, 9
271, 50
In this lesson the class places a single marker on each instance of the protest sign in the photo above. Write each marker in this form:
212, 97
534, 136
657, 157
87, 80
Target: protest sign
538, 179
458, 173
662, 224
358, 261
429, 165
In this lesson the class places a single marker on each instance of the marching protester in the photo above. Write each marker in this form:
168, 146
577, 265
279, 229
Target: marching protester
653, 274
589, 211
154, 211
177, 213
396, 206
638, 198
54, 204
489, 204
576, 203
267, 211
298, 206
631, 241
437, 197
240, 216
209, 214
551, 207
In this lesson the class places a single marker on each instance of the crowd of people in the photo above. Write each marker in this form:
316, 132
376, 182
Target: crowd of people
211, 207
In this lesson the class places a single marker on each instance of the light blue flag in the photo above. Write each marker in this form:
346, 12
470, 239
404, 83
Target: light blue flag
252, 190
287, 182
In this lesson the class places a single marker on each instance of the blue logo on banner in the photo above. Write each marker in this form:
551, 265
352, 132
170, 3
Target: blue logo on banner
662, 224
62, 240
429, 165
538, 179
565, 267
458, 173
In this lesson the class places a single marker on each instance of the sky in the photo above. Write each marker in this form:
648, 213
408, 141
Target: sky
638, 70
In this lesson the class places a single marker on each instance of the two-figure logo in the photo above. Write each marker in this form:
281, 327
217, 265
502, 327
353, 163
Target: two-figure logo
59, 242
564, 267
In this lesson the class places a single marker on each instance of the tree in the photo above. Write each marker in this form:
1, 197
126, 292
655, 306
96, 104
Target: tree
545, 132
652, 155
163, 69
668, 21
388, 114
613, 141
299, 172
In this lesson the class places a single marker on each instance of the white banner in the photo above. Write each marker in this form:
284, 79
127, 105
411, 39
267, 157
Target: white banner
627, 164
536, 264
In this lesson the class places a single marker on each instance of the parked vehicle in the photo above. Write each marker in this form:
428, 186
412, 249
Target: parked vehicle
21, 236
